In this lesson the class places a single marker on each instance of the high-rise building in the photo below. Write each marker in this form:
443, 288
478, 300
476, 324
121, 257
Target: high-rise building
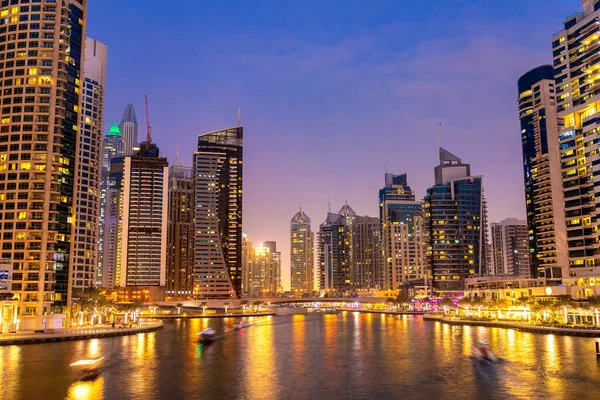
143, 216
110, 213
180, 242
510, 248
333, 255
363, 248
302, 242
218, 214
576, 64
90, 166
402, 233
246, 273
264, 263
130, 130
112, 148
542, 173
42, 63
455, 225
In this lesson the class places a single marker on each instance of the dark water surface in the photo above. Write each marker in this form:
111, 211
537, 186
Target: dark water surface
332, 356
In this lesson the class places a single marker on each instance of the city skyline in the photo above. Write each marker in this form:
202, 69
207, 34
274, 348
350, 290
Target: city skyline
332, 97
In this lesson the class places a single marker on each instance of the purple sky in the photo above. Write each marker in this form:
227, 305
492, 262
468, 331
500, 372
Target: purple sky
331, 91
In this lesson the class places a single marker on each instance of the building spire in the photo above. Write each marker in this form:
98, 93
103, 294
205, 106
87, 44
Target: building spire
177, 161
440, 126
239, 116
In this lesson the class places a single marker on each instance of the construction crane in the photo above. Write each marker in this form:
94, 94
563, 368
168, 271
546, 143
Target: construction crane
148, 127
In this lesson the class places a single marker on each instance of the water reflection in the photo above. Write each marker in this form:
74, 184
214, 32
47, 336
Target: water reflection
318, 356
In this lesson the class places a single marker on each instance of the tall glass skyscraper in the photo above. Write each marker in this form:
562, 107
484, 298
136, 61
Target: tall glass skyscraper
130, 130
41, 63
542, 174
333, 243
302, 242
218, 167
455, 225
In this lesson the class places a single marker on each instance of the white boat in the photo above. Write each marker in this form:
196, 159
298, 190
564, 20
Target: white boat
207, 335
88, 369
238, 324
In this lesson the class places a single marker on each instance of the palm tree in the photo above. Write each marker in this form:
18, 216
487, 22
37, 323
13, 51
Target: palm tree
522, 301
546, 305
226, 304
257, 305
594, 302
390, 301
496, 303
565, 301
244, 303
204, 305
179, 306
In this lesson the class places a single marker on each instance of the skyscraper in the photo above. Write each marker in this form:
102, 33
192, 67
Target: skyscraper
180, 242
86, 239
402, 233
143, 211
542, 173
39, 146
510, 248
264, 263
129, 130
455, 225
302, 242
218, 213
576, 63
246, 273
334, 255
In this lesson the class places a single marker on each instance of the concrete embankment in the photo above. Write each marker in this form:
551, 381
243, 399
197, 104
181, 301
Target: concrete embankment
583, 331
61, 335
185, 315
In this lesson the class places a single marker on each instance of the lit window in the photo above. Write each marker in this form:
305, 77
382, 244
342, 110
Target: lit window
22, 215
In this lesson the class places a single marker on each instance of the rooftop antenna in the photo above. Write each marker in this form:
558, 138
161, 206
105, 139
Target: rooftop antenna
329, 203
177, 160
300, 206
148, 127
440, 126
239, 116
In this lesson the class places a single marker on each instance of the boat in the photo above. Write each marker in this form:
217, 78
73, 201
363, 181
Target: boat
483, 353
88, 369
206, 336
238, 324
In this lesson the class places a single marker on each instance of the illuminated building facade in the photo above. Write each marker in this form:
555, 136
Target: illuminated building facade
402, 233
302, 244
333, 246
576, 75
510, 248
264, 270
180, 237
542, 174
143, 220
218, 214
455, 225
86, 238
41, 53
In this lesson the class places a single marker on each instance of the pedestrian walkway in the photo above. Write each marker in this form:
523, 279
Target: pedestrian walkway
56, 335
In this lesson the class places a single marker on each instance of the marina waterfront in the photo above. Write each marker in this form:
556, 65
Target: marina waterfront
345, 355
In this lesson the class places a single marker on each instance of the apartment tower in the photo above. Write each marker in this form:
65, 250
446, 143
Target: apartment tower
130, 130
41, 63
180, 236
576, 59
86, 239
402, 233
510, 248
542, 172
302, 242
455, 226
218, 214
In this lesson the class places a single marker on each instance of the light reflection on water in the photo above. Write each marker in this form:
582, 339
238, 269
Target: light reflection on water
347, 355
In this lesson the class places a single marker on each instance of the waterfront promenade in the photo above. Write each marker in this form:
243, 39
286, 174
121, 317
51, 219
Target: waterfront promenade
60, 335
521, 326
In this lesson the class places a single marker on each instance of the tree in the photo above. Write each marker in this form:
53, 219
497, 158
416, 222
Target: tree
244, 303
447, 301
179, 306
565, 301
226, 304
522, 301
594, 302
546, 305
204, 305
